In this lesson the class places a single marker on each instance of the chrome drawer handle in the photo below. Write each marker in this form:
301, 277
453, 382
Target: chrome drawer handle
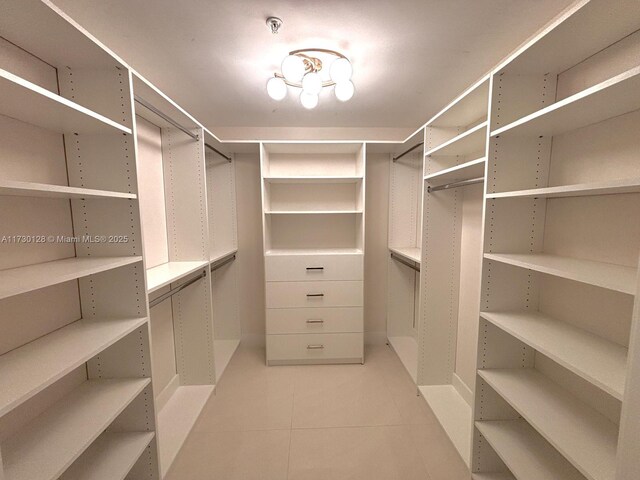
315, 294
315, 347
315, 268
315, 320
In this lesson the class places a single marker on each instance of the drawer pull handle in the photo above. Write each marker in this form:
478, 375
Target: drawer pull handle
315, 294
315, 268
315, 347
315, 320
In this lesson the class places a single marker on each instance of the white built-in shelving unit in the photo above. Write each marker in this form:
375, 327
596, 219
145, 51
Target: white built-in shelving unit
557, 326
75, 378
313, 222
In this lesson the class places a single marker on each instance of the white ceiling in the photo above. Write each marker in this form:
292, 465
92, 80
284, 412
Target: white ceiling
410, 57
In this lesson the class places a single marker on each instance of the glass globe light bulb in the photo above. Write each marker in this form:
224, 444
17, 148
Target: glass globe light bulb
312, 83
341, 70
276, 88
344, 90
308, 100
293, 68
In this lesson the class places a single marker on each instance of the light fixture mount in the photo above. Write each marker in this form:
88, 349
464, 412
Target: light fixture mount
274, 23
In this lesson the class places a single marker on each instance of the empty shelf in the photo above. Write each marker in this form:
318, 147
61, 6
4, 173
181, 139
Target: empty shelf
605, 275
110, 457
30, 103
31, 368
454, 415
314, 251
15, 281
177, 418
49, 444
313, 212
223, 350
584, 436
167, 273
410, 253
470, 107
471, 141
464, 171
220, 255
609, 187
31, 189
312, 179
593, 358
407, 350
525, 452
608, 99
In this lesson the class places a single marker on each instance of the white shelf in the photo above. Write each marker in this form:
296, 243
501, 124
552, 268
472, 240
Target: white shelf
217, 256
609, 187
49, 444
167, 273
313, 212
525, 452
407, 350
31, 189
312, 179
409, 253
314, 251
464, 171
110, 457
585, 437
471, 141
15, 281
599, 361
608, 99
30, 103
223, 351
605, 275
177, 418
453, 414
31, 368
468, 108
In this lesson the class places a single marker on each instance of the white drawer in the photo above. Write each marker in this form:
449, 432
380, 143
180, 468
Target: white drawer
314, 320
287, 268
314, 294
315, 348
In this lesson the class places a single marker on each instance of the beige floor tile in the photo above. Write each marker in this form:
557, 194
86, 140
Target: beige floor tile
342, 395
355, 453
440, 457
240, 455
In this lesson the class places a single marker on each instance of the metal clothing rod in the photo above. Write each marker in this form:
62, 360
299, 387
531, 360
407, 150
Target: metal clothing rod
408, 151
150, 107
400, 259
172, 292
463, 183
218, 152
222, 264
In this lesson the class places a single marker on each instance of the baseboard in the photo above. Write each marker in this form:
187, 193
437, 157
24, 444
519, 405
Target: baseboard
375, 338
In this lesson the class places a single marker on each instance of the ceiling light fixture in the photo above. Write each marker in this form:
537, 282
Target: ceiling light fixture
303, 69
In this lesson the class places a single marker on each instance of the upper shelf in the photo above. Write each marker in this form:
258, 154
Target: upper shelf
608, 187
31, 189
464, 171
318, 179
465, 110
613, 97
409, 253
30, 103
15, 281
313, 251
167, 273
312, 212
605, 275
587, 28
468, 142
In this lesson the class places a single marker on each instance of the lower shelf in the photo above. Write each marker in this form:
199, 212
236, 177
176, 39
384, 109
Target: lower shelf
223, 350
177, 418
454, 415
111, 457
407, 350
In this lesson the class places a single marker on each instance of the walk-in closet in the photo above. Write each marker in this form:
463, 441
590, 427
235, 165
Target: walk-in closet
316, 240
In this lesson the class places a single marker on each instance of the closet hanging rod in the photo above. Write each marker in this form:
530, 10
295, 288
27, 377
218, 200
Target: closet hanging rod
463, 183
218, 152
166, 117
400, 259
223, 263
172, 292
408, 151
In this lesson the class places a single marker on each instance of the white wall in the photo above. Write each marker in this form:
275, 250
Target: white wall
250, 261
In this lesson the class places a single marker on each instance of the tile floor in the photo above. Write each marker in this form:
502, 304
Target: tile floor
324, 422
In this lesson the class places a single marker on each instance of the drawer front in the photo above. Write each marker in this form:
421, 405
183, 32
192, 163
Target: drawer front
314, 320
287, 268
315, 348
314, 294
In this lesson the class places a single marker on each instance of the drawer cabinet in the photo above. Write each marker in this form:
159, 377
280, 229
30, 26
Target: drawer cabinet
288, 268
314, 320
315, 348
314, 294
